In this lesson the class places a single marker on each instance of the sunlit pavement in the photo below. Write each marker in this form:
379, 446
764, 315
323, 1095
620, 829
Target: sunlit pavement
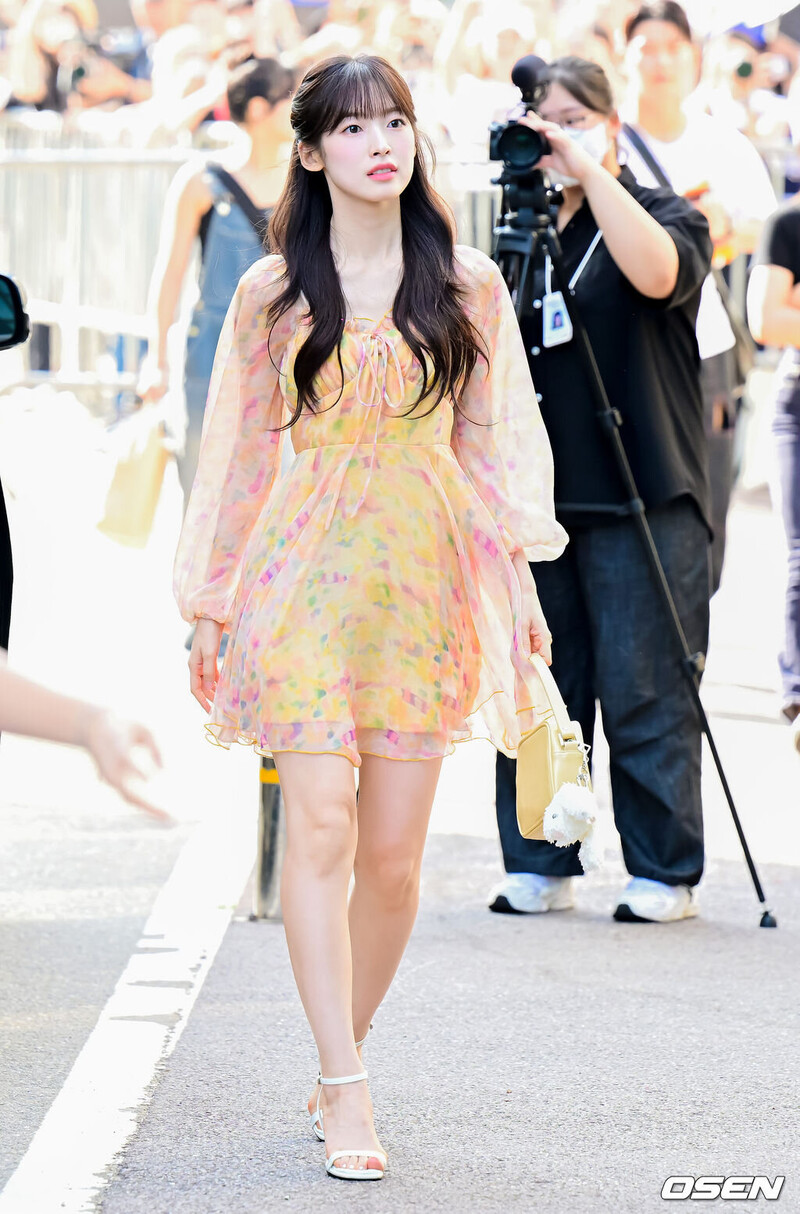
563, 1063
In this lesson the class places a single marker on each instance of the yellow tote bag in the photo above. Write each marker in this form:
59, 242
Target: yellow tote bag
136, 485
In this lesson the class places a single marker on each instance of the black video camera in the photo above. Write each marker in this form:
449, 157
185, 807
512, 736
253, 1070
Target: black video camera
519, 147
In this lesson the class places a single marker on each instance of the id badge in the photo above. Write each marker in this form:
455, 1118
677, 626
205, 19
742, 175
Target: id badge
556, 324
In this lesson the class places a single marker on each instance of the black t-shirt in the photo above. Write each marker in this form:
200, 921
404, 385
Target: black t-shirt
647, 355
780, 240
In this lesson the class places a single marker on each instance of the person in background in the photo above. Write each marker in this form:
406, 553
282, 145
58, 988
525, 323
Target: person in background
153, 19
773, 305
310, 15
229, 212
715, 166
743, 82
44, 50
476, 54
636, 259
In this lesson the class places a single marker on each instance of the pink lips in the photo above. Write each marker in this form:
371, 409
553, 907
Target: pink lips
382, 170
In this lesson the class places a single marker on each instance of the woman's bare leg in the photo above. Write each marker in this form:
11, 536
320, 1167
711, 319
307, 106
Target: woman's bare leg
394, 808
321, 833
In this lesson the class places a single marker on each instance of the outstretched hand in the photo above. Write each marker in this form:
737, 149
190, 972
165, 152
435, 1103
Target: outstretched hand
113, 742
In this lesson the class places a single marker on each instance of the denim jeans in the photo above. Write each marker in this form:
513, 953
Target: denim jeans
612, 643
786, 431
719, 413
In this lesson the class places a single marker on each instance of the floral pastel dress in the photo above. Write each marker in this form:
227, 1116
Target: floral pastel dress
369, 592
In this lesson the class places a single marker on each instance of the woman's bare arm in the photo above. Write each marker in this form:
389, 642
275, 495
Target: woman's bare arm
772, 309
187, 202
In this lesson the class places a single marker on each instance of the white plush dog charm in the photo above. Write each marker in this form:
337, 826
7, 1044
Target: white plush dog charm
571, 817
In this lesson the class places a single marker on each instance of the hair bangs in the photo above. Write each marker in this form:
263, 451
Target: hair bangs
362, 88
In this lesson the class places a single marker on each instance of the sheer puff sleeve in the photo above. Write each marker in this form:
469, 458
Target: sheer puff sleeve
499, 438
240, 449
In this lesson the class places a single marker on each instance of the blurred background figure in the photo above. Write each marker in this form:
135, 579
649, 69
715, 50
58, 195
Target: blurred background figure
479, 46
592, 30
228, 209
45, 47
706, 159
774, 313
744, 83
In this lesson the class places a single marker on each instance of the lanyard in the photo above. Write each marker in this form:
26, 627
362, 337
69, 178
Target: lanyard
548, 265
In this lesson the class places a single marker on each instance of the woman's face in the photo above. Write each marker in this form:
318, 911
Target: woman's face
660, 61
369, 159
566, 111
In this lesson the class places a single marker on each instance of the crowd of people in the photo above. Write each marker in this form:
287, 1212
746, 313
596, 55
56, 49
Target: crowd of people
165, 71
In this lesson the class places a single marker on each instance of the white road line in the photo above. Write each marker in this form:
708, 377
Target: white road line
71, 1158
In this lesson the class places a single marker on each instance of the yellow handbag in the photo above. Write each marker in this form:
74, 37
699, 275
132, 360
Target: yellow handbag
549, 756
138, 475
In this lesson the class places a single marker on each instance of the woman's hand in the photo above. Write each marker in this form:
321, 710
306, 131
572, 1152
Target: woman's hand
153, 382
203, 672
536, 636
113, 742
567, 158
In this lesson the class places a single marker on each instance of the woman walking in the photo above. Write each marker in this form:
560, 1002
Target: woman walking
380, 592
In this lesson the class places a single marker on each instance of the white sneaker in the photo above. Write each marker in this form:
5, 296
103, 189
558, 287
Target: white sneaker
645, 901
531, 894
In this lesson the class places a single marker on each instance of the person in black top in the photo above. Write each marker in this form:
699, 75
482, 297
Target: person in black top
773, 303
636, 259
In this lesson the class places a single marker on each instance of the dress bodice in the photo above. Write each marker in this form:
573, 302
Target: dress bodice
369, 400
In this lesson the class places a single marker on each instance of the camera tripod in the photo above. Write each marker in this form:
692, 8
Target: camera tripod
528, 222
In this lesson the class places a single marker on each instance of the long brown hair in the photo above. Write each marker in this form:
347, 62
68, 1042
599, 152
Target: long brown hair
429, 307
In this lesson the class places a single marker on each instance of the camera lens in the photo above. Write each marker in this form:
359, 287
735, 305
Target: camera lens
520, 147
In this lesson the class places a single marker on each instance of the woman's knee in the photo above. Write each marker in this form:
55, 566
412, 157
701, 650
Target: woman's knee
392, 877
321, 836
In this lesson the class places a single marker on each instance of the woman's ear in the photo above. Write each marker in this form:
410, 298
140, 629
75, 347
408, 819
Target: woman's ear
310, 158
614, 125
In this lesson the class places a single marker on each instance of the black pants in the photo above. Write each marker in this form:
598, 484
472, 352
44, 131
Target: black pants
612, 643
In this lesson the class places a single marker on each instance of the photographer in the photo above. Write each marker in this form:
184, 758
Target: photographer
636, 259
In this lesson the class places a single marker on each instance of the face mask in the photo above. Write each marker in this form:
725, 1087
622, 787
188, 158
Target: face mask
594, 141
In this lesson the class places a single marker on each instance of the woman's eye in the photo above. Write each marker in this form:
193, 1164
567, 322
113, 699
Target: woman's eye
352, 129
397, 122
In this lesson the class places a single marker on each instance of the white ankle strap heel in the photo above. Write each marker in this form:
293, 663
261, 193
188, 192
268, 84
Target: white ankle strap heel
316, 1116
330, 1164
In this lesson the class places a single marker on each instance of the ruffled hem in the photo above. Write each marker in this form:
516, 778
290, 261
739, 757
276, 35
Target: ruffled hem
351, 742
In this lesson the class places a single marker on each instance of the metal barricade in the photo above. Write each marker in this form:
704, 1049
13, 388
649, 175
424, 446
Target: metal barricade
80, 231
